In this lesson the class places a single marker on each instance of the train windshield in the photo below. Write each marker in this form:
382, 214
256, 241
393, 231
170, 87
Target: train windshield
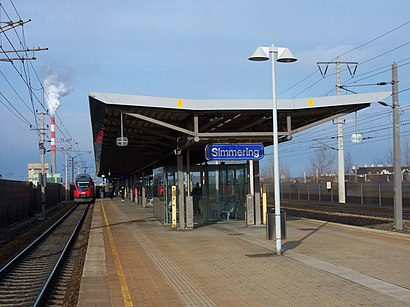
83, 182
83, 185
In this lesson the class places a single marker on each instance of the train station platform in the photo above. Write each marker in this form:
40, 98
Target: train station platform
133, 260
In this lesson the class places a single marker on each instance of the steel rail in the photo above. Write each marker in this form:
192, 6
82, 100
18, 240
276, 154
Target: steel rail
59, 261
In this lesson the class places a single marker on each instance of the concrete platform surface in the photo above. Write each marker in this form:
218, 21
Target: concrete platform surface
133, 260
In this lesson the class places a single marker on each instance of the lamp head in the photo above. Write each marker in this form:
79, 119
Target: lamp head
285, 56
260, 54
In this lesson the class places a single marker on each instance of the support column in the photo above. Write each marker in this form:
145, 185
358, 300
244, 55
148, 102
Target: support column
257, 183
206, 206
398, 196
136, 188
143, 183
250, 220
250, 203
181, 192
189, 199
43, 178
340, 146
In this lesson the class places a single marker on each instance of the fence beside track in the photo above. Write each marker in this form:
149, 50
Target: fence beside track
20, 200
366, 193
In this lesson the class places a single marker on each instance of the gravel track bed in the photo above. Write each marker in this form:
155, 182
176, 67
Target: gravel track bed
331, 214
23, 236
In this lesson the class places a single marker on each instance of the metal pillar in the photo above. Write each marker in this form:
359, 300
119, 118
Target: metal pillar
66, 174
250, 221
189, 199
143, 189
43, 180
72, 170
340, 148
398, 206
181, 192
257, 183
250, 203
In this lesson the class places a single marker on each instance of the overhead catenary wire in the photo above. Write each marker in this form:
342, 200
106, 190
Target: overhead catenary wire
25, 75
382, 136
376, 133
20, 116
307, 137
300, 146
406, 23
375, 74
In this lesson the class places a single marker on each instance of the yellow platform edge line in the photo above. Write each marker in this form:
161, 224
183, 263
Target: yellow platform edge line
120, 272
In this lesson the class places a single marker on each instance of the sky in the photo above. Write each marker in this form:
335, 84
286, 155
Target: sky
198, 49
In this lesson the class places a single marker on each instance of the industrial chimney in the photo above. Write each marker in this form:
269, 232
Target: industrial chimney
53, 146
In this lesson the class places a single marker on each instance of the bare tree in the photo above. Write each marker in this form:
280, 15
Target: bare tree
349, 163
323, 162
389, 156
267, 171
379, 161
285, 173
405, 155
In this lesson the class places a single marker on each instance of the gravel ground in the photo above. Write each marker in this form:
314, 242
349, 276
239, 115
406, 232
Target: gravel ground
19, 237
390, 227
71, 296
357, 220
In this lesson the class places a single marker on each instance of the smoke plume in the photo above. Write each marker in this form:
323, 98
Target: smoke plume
53, 91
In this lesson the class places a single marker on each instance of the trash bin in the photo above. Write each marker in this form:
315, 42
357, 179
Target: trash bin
271, 225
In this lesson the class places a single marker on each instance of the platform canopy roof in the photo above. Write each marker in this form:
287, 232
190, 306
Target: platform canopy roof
157, 126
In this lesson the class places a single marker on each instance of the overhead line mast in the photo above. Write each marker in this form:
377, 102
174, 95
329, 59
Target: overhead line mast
340, 121
6, 26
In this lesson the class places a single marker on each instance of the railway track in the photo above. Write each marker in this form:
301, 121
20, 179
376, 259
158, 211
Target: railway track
26, 280
348, 209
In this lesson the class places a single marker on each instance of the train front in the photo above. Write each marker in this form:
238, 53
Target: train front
83, 189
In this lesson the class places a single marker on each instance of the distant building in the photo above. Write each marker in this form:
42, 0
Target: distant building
377, 173
34, 171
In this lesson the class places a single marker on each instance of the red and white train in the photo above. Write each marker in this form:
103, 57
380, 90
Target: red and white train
84, 190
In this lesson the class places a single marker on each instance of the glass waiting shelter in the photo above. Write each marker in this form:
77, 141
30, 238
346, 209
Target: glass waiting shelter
223, 191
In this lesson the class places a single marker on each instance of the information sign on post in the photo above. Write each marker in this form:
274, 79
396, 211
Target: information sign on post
222, 152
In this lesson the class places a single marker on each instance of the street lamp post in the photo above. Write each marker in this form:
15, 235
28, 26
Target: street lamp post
279, 54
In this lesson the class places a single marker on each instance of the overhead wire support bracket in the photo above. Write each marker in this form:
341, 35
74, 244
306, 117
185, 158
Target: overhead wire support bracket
351, 66
20, 58
12, 24
17, 59
23, 50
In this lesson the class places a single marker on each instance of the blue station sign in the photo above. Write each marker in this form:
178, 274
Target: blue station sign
222, 152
